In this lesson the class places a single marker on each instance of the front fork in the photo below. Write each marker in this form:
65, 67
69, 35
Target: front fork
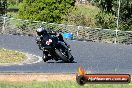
45, 55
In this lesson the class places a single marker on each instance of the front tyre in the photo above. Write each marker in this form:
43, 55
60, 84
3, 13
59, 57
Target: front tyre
63, 55
45, 56
71, 59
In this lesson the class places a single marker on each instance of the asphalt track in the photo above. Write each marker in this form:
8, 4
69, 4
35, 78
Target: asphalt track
94, 57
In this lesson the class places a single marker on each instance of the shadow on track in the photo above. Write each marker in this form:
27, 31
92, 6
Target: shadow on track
60, 62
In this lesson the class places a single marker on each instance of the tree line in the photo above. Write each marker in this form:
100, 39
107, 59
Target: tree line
57, 11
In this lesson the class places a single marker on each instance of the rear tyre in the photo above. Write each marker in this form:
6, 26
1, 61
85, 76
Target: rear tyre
71, 58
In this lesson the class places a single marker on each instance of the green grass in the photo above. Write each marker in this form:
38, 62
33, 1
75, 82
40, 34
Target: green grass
9, 56
12, 6
58, 84
12, 14
88, 10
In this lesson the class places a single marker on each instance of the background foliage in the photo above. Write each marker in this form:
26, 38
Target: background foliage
110, 7
45, 10
96, 13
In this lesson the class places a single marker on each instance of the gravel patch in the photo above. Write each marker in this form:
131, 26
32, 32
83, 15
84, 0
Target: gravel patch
24, 77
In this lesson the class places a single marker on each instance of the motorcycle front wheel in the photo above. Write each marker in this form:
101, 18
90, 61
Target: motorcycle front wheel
64, 55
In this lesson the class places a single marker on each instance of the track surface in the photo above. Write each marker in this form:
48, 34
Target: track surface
94, 57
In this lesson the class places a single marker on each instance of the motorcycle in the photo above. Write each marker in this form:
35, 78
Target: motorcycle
55, 49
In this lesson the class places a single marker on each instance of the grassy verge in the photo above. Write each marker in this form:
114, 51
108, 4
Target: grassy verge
9, 56
58, 84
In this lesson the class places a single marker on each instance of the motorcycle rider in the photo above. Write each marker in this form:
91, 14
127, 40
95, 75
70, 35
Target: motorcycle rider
43, 35
41, 38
